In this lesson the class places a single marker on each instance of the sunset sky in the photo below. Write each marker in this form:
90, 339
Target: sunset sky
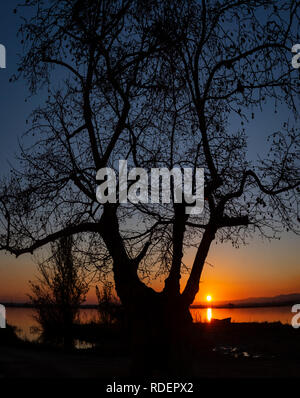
259, 269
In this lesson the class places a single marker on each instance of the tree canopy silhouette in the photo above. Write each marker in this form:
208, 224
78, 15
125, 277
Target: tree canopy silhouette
156, 83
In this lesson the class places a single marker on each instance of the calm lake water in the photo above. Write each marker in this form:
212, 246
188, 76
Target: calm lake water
23, 318
263, 314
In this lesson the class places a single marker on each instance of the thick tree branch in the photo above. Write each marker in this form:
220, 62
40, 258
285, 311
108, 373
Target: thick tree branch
70, 230
267, 191
172, 283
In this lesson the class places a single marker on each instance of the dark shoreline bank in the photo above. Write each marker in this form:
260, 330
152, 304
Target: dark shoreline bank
234, 350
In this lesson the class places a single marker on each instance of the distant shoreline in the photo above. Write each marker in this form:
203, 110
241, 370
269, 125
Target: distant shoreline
193, 306
248, 305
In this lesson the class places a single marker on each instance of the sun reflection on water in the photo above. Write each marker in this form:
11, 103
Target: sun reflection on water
208, 314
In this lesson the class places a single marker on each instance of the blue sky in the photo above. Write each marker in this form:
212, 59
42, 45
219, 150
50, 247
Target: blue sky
13, 109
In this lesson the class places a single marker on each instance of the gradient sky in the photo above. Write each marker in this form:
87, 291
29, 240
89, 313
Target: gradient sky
259, 269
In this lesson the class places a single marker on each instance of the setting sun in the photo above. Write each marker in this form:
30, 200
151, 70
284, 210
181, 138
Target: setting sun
208, 298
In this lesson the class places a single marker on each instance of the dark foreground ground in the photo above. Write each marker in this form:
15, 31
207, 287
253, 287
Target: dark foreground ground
241, 350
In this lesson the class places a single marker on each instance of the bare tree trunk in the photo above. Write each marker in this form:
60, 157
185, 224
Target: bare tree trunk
159, 330
192, 286
159, 322
162, 323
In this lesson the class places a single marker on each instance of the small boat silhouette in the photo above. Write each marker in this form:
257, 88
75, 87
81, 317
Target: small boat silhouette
221, 321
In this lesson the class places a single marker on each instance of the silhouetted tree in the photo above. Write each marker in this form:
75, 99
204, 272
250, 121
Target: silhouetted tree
108, 306
157, 83
58, 293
